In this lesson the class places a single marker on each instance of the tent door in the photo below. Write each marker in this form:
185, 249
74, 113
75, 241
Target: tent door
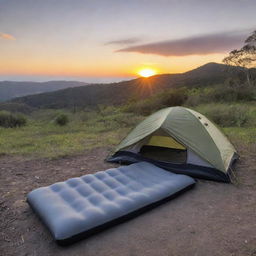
164, 154
164, 148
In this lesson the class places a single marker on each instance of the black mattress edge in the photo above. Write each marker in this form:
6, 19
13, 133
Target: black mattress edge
86, 234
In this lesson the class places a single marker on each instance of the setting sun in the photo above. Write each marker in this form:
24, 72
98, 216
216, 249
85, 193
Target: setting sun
147, 72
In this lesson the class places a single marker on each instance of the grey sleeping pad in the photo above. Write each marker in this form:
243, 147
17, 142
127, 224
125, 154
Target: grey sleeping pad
80, 204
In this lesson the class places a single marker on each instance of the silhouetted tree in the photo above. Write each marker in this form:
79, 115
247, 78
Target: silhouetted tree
244, 57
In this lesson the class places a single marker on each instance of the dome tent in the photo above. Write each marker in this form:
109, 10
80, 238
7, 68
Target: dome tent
208, 153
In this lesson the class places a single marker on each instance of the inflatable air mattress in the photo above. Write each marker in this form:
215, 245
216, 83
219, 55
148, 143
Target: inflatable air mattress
79, 207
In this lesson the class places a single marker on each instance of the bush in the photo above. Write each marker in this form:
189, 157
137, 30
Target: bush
172, 97
228, 94
9, 120
14, 107
227, 115
221, 94
61, 119
168, 98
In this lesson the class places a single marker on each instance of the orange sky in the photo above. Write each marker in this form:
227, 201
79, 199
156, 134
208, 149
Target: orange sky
114, 39
111, 64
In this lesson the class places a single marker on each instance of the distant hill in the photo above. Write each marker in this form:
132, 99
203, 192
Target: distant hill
11, 89
118, 93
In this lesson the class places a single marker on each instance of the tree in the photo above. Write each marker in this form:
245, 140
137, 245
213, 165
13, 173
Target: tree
244, 57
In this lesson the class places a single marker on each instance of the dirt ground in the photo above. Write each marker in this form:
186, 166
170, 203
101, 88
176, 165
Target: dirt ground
211, 219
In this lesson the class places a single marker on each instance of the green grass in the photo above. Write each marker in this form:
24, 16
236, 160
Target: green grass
236, 120
246, 135
230, 115
42, 138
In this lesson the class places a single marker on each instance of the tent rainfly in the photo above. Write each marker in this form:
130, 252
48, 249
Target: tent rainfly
173, 133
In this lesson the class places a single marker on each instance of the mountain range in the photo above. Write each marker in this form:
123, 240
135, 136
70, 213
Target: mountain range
12, 89
118, 93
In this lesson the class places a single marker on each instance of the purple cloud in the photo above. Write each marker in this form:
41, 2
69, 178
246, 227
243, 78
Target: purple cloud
131, 40
197, 45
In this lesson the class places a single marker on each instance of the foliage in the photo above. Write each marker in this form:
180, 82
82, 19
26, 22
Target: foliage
61, 119
191, 97
222, 94
116, 94
15, 107
42, 138
242, 135
8, 120
228, 94
93, 116
167, 98
106, 127
244, 57
238, 115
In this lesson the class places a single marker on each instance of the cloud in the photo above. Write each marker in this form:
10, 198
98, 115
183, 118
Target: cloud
125, 41
197, 45
7, 36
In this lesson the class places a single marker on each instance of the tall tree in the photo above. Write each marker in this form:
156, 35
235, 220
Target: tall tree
244, 57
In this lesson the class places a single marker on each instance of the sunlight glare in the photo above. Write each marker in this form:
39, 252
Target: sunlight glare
147, 72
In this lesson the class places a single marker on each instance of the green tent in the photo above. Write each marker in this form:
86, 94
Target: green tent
170, 133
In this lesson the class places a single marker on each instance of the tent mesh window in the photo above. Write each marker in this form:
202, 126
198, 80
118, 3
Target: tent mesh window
170, 155
164, 148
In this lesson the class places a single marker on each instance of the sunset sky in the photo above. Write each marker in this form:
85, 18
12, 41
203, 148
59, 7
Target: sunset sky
110, 40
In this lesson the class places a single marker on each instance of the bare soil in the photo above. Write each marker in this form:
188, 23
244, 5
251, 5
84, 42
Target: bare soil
211, 219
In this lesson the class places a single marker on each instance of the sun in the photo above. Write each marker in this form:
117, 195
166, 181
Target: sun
147, 72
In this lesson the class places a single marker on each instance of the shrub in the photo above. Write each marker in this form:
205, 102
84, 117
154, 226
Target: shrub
227, 115
167, 98
9, 120
194, 100
172, 97
143, 107
221, 93
61, 119
14, 107
232, 94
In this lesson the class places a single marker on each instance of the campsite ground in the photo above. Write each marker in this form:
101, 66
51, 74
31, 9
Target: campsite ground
211, 219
